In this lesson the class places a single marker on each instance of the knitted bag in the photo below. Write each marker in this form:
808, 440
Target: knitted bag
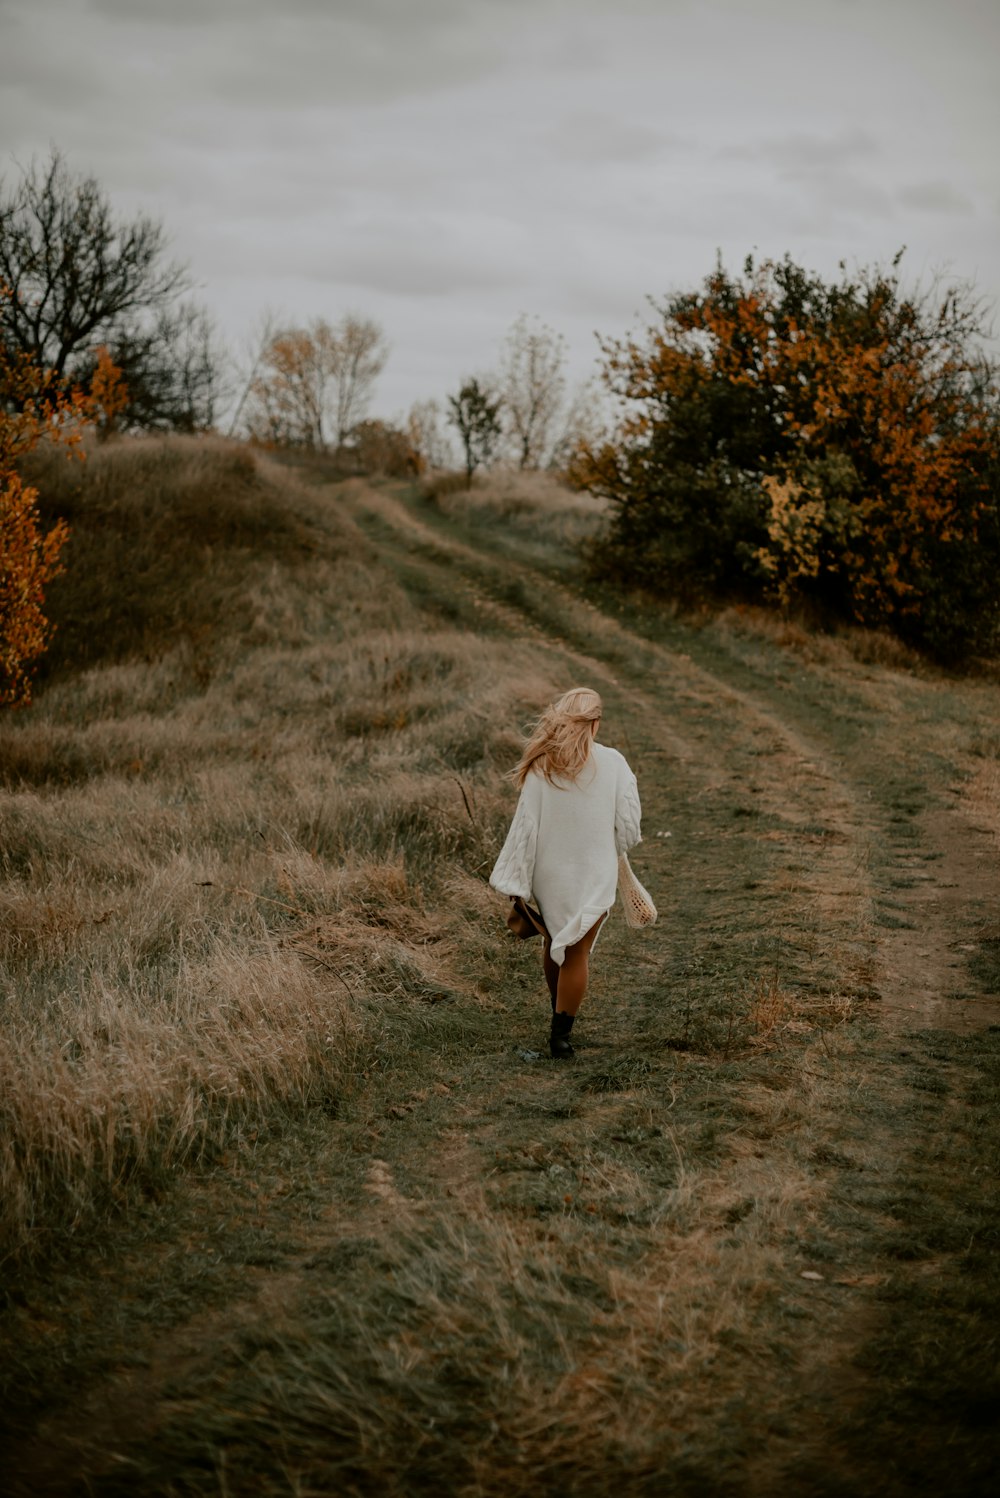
636, 899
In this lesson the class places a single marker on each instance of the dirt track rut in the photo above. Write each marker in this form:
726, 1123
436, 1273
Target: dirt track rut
899, 894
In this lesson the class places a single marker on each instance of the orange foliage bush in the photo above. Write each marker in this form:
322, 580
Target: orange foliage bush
29, 560
108, 393
31, 409
835, 444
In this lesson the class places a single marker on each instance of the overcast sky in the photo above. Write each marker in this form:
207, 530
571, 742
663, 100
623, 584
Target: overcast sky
444, 165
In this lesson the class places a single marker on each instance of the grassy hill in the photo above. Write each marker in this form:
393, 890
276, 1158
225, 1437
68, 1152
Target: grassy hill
245, 724
290, 1197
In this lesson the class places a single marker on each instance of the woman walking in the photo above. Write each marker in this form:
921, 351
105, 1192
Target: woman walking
578, 810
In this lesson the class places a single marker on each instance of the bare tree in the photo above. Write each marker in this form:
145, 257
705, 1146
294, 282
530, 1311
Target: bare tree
532, 385
171, 371
247, 364
583, 419
80, 279
355, 352
429, 442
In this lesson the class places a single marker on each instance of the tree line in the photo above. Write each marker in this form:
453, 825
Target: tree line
80, 284
828, 446
98, 327
310, 387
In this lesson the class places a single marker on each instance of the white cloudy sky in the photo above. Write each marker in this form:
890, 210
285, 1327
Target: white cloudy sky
443, 165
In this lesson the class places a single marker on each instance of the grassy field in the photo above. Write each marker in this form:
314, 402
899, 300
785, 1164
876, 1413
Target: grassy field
291, 1198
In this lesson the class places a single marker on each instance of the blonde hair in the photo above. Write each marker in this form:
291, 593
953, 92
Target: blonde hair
559, 744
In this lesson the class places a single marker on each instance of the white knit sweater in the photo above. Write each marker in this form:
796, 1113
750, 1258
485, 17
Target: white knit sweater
562, 848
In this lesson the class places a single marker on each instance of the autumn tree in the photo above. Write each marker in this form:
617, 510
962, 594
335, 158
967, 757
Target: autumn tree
288, 392
109, 395
476, 416
832, 444
357, 357
312, 385
29, 560
532, 385
30, 410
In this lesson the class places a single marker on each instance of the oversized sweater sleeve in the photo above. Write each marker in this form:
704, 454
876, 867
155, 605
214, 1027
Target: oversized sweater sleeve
628, 812
514, 869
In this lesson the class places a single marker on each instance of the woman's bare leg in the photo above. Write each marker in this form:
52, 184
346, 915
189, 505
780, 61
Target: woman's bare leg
575, 970
551, 970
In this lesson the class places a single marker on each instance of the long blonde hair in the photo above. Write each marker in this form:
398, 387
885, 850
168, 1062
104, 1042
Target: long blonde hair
559, 743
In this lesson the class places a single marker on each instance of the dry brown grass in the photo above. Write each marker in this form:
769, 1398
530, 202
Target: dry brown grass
774, 1012
553, 1411
217, 818
845, 645
243, 882
536, 504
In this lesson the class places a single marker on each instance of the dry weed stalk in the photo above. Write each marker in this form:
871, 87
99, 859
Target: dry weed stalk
769, 1010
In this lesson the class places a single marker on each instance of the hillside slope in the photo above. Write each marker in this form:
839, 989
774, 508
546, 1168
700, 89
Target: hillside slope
279, 1070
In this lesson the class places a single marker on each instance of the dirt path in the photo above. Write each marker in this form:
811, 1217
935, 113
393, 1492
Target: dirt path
707, 1201
865, 833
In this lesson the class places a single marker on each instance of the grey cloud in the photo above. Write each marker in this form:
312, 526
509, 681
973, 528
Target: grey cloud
396, 257
850, 194
591, 136
805, 152
445, 164
333, 62
394, 15
936, 196
419, 273
400, 15
435, 255
254, 54
828, 172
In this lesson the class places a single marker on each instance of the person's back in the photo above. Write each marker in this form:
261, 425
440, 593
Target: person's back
576, 860
578, 810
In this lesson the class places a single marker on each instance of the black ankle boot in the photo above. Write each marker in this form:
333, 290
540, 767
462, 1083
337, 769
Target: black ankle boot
559, 1046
